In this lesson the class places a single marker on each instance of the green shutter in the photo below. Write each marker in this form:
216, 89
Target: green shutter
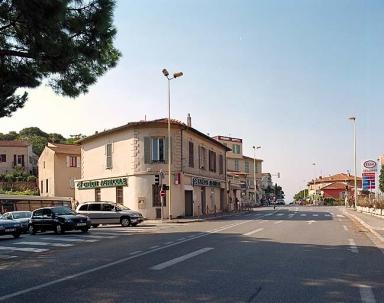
147, 150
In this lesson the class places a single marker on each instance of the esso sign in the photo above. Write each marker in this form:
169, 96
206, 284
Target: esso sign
369, 164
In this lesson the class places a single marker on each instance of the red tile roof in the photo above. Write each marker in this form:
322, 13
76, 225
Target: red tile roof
15, 143
64, 148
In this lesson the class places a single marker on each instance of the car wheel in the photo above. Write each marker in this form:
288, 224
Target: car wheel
31, 230
59, 229
85, 229
95, 225
16, 235
125, 222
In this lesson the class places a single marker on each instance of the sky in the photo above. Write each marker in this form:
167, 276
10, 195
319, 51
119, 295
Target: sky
285, 75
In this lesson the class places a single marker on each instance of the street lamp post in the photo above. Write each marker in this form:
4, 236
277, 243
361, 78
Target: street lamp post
314, 182
254, 169
175, 75
354, 158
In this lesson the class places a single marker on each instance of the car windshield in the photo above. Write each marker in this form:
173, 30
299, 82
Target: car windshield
22, 215
63, 211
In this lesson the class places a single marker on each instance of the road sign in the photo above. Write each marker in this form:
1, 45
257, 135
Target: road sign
369, 181
162, 193
369, 166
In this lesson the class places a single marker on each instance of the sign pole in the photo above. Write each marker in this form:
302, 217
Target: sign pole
161, 197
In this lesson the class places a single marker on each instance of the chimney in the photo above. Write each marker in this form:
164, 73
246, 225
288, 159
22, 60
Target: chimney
189, 120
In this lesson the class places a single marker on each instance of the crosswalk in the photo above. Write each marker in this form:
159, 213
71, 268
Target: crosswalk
28, 245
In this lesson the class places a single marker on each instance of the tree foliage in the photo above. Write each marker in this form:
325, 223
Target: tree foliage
381, 179
301, 195
67, 42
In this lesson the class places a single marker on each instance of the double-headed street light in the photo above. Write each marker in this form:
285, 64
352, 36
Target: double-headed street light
175, 75
254, 168
354, 158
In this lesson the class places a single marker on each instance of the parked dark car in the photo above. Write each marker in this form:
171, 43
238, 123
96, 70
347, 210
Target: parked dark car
20, 216
59, 219
9, 227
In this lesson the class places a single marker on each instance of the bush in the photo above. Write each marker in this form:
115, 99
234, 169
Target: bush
329, 201
31, 178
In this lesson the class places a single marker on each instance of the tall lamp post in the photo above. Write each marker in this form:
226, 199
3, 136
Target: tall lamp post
175, 75
353, 119
314, 181
254, 168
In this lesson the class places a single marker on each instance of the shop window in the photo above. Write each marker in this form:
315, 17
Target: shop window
119, 194
97, 194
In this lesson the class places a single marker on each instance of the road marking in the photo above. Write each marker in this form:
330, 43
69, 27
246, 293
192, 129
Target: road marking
167, 243
311, 221
345, 228
7, 257
44, 244
366, 294
110, 264
303, 215
99, 237
67, 239
315, 215
253, 232
27, 249
327, 215
104, 234
154, 246
181, 239
279, 214
135, 252
291, 215
181, 259
353, 246
340, 216
278, 222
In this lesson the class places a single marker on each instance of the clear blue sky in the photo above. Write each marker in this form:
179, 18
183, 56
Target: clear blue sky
285, 75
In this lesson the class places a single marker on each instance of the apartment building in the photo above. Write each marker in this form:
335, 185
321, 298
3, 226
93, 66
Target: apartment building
15, 154
240, 173
120, 165
59, 167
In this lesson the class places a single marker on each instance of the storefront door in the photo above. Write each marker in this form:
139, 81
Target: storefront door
188, 203
203, 201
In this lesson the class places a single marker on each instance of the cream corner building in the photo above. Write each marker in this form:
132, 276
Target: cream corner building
59, 167
120, 165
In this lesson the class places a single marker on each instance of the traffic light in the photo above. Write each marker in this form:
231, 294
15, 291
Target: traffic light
165, 187
157, 179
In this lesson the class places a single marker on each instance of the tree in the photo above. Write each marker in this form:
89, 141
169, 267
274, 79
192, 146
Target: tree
301, 195
381, 179
56, 138
67, 42
32, 131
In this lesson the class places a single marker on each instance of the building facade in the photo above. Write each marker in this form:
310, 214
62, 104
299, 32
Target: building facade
240, 173
59, 167
121, 164
17, 154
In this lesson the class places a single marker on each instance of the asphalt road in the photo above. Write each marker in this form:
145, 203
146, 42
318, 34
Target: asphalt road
304, 254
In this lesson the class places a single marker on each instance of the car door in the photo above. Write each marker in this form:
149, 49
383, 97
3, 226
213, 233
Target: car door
47, 219
95, 214
37, 219
109, 214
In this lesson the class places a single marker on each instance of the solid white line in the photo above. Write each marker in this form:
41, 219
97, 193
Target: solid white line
180, 259
366, 294
107, 265
345, 228
278, 222
99, 237
253, 232
68, 239
291, 215
44, 244
279, 214
167, 243
135, 252
27, 249
353, 246
154, 246
7, 257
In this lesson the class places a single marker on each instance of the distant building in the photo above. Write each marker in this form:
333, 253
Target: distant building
240, 173
120, 165
15, 154
59, 166
336, 186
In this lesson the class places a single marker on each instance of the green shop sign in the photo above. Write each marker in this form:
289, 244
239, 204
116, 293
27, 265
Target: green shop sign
204, 182
102, 183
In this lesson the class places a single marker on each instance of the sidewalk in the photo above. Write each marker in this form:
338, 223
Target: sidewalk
197, 219
374, 224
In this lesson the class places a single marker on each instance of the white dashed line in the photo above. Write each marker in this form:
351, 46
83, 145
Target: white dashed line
44, 244
253, 232
303, 215
315, 215
278, 222
366, 294
26, 249
69, 239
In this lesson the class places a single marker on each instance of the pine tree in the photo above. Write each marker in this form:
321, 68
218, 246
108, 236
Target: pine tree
67, 42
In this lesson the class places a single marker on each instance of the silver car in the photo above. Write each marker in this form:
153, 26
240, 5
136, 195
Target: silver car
109, 213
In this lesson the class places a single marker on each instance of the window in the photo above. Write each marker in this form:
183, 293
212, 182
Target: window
83, 207
97, 194
246, 166
20, 160
156, 200
212, 161
3, 158
108, 207
94, 206
72, 161
202, 157
237, 165
191, 155
221, 164
236, 148
158, 150
43, 164
47, 213
46, 185
108, 152
119, 194
41, 186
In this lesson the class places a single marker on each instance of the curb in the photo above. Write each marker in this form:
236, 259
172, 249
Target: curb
366, 225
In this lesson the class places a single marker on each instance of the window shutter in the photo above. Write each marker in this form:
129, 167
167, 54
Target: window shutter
147, 150
77, 161
68, 161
